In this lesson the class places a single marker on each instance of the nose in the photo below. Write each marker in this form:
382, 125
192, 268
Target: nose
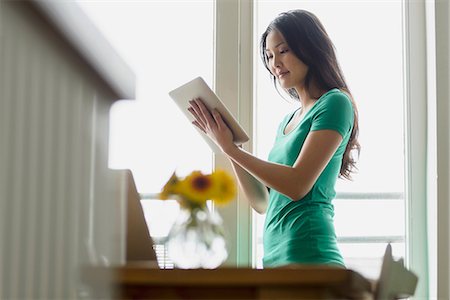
276, 63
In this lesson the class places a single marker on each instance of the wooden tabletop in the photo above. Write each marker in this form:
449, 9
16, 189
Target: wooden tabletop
294, 282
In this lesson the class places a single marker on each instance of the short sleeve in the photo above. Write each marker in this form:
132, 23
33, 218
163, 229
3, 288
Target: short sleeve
335, 112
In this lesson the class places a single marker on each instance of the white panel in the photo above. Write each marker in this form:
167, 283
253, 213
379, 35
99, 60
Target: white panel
74, 167
34, 152
16, 179
6, 68
48, 135
60, 200
54, 145
85, 247
105, 205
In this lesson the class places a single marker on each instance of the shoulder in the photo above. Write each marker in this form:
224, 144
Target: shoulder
335, 100
334, 110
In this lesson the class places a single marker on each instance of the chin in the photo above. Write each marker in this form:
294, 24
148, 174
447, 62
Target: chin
285, 86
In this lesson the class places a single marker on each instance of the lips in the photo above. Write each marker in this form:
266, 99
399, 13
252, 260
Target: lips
282, 74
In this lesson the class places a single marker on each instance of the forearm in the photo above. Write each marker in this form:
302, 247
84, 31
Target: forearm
281, 178
255, 192
293, 181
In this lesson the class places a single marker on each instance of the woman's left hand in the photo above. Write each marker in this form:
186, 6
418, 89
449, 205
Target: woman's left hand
212, 124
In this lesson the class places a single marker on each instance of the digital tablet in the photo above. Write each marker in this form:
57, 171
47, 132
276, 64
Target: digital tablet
197, 88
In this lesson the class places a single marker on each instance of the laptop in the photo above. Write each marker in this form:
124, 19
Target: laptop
139, 243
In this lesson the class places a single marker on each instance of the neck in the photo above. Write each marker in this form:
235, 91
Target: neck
306, 99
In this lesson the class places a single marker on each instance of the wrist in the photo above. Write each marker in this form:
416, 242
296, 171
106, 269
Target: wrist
231, 149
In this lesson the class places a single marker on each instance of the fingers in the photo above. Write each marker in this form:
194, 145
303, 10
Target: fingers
201, 113
199, 126
218, 118
199, 120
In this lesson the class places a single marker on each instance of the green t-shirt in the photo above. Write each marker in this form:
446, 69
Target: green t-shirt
303, 231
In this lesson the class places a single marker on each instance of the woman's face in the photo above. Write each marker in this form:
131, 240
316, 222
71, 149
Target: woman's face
284, 65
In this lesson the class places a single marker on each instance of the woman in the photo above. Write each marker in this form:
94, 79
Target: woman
312, 148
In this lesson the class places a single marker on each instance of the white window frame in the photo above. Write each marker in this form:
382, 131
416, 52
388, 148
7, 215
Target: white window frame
415, 91
233, 83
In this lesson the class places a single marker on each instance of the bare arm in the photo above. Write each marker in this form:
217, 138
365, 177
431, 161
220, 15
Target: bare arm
294, 182
255, 192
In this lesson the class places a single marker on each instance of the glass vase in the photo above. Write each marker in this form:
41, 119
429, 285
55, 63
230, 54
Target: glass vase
196, 240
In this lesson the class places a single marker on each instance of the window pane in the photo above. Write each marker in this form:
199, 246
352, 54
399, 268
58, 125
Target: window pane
378, 217
150, 135
371, 56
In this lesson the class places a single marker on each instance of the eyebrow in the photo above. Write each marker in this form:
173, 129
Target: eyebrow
276, 45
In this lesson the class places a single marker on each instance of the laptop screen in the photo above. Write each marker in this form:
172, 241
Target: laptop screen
139, 244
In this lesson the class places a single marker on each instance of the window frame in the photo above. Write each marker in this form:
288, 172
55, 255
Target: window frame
233, 83
415, 105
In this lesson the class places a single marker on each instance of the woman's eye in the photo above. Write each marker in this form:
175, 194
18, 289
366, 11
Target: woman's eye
284, 51
269, 56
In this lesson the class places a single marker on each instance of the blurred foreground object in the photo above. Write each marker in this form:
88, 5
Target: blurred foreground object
295, 282
395, 282
60, 205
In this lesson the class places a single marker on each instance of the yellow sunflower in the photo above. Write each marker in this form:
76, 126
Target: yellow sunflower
196, 187
224, 187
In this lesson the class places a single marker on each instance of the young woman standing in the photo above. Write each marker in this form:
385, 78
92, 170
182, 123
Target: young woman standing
313, 147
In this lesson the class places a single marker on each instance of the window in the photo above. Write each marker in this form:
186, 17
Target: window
166, 43
382, 62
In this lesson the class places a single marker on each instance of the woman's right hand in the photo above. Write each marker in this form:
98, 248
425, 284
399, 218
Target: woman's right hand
212, 124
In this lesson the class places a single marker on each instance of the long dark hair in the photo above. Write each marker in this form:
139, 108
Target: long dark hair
308, 40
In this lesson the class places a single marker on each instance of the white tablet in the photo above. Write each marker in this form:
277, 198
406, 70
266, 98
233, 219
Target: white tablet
197, 88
